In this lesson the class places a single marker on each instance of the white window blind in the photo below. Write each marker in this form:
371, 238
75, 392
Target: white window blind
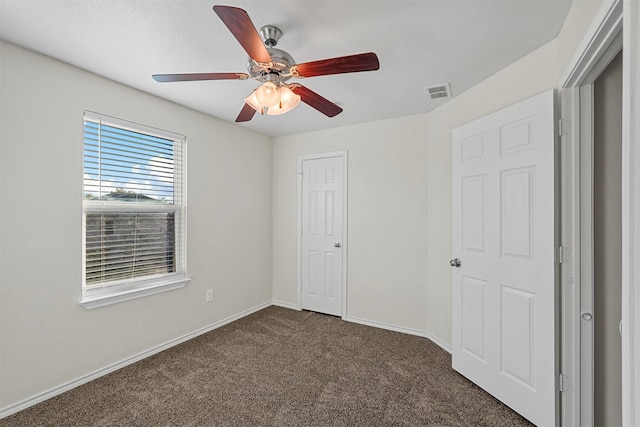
126, 245
133, 203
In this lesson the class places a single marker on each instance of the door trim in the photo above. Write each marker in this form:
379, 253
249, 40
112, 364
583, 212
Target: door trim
345, 244
631, 214
601, 44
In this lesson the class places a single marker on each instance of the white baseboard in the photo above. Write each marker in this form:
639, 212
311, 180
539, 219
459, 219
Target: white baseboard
409, 331
380, 325
286, 305
40, 397
401, 329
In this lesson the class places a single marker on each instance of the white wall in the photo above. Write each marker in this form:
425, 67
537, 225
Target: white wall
574, 28
399, 194
399, 203
387, 205
47, 338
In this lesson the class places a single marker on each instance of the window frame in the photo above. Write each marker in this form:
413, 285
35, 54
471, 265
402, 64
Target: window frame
115, 291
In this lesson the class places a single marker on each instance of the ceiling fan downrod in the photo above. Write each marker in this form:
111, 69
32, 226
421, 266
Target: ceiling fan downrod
270, 35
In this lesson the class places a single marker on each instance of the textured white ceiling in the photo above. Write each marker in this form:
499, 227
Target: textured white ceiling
419, 43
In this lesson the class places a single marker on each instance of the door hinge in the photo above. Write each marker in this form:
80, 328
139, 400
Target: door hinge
562, 383
560, 126
562, 254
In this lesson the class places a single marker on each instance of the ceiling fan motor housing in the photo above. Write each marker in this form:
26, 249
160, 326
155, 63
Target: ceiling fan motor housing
282, 63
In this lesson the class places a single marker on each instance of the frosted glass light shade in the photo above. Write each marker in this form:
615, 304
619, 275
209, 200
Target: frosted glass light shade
288, 101
267, 94
253, 102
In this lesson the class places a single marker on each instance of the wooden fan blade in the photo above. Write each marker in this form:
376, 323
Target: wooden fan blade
199, 76
344, 64
246, 114
318, 102
240, 25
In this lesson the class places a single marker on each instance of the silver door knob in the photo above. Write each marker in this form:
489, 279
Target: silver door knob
455, 262
337, 245
587, 316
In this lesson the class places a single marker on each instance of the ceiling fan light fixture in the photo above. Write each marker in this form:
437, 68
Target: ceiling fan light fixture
268, 94
288, 101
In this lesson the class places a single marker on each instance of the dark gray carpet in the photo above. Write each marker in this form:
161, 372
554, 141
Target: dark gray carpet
281, 367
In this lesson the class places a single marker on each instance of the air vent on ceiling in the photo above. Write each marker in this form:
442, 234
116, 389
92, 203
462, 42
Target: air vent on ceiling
438, 91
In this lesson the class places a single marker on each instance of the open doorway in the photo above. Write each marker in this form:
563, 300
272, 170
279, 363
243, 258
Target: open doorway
599, 47
592, 222
607, 245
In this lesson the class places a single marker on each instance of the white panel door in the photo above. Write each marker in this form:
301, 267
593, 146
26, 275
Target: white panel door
504, 235
322, 240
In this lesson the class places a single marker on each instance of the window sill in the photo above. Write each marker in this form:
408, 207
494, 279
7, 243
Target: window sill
100, 297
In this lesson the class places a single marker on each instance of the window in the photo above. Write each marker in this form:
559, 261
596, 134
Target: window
133, 211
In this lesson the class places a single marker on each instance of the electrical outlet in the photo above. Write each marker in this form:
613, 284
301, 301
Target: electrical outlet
209, 295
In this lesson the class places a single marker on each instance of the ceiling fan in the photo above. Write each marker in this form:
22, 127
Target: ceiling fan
274, 67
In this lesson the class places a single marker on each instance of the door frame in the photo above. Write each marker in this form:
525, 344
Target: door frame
615, 26
343, 282
631, 214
